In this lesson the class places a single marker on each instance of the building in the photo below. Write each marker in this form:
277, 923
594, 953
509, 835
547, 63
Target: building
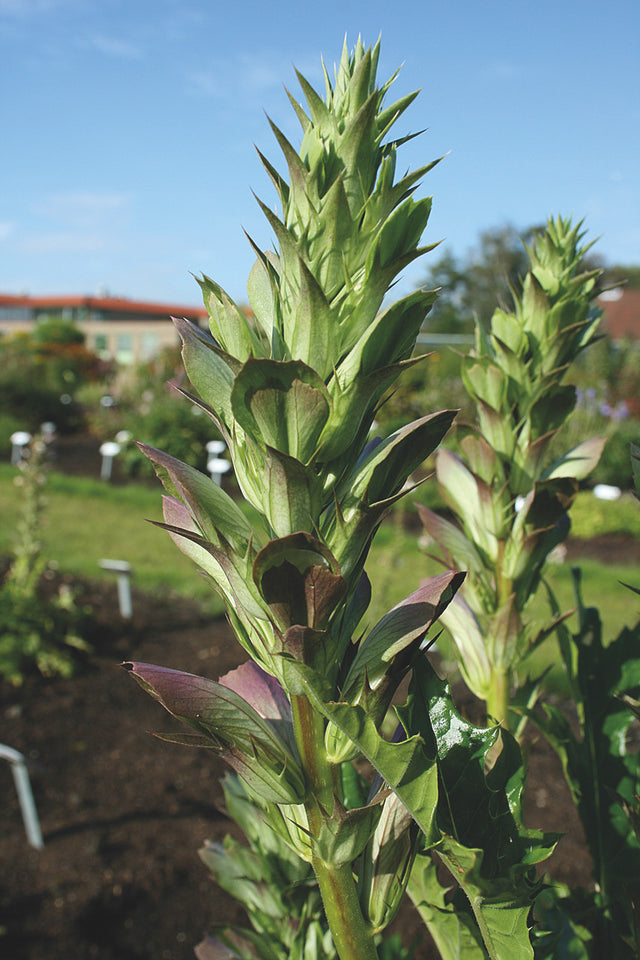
128, 331
621, 312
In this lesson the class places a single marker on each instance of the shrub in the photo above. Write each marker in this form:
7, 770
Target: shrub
35, 633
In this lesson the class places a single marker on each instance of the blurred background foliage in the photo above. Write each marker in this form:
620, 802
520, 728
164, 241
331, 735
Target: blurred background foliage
49, 374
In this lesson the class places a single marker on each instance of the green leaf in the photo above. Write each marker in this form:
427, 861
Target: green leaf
209, 369
502, 917
458, 550
472, 499
291, 494
466, 633
448, 918
386, 863
215, 513
405, 766
176, 518
489, 854
229, 325
506, 329
376, 481
485, 381
578, 462
344, 833
405, 624
262, 290
602, 773
353, 409
311, 332
383, 471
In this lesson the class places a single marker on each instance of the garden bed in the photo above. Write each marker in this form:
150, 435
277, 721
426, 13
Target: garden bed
123, 814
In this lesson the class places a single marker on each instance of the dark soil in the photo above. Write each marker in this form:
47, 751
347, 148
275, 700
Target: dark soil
124, 814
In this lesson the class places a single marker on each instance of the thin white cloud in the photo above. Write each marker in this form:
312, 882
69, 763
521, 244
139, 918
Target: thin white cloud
6, 229
82, 207
246, 76
114, 46
66, 242
25, 9
74, 222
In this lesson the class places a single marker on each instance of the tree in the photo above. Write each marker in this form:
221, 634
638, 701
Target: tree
57, 330
617, 274
474, 285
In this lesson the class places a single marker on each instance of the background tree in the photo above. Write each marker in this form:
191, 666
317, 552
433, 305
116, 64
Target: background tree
57, 330
618, 274
472, 286
489, 274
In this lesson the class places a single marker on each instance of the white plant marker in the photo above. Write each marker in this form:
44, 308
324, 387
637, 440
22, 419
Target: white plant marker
108, 450
25, 795
123, 571
19, 441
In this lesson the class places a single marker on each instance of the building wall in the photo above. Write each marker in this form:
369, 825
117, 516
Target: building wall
129, 341
125, 341
128, 332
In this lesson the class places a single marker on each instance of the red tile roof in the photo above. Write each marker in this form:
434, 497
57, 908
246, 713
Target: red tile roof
111, 304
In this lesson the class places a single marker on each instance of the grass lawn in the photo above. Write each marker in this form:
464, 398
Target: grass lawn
89, 520
397, 562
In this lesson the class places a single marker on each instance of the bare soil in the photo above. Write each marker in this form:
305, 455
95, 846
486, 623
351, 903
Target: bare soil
124, 814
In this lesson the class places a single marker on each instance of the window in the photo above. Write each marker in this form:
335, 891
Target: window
124, 348
148, 345
101, 345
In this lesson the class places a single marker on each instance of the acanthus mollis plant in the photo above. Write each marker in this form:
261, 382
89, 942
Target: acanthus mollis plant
294, 391
508, 492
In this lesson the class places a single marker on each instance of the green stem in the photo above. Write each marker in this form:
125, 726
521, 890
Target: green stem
351, 934
499, 699
308, 728
485, 933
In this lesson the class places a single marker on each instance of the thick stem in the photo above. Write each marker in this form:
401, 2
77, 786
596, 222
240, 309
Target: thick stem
351, 934
499, 698
308, 727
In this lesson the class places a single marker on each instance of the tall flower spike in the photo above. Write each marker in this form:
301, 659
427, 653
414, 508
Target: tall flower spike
345, 232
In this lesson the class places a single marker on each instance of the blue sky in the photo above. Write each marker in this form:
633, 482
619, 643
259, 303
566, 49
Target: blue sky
128, 127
